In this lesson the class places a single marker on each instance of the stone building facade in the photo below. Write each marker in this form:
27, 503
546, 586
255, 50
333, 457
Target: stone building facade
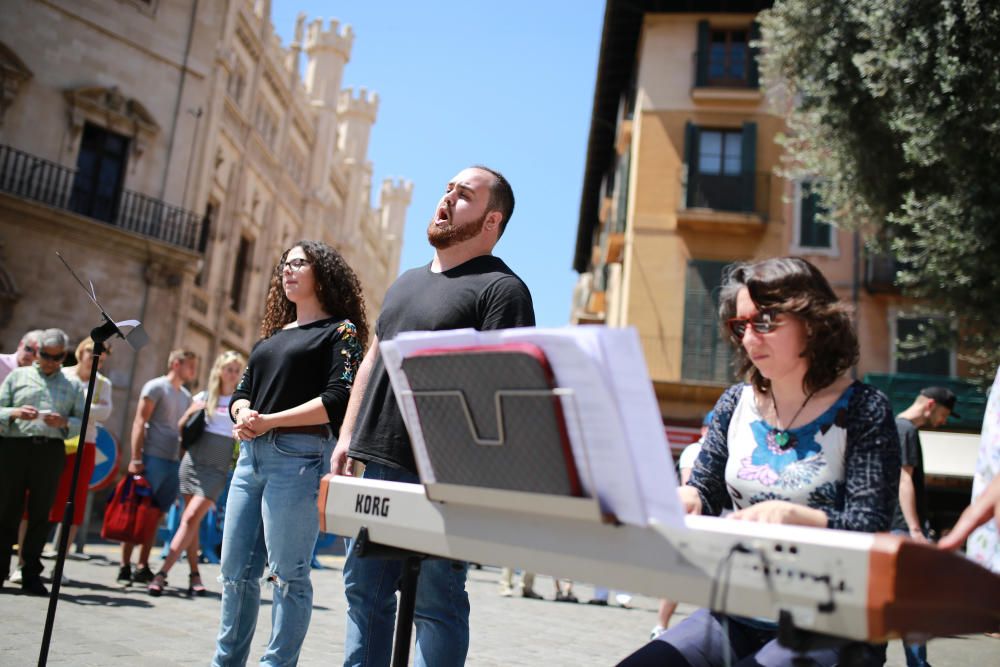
170, 150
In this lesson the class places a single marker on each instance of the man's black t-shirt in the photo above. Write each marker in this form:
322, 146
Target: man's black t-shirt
482, 294
912, 455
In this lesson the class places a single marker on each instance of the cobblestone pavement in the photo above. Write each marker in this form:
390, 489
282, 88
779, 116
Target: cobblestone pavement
100, 623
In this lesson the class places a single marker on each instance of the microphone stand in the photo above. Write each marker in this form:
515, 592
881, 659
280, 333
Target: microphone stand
99, 335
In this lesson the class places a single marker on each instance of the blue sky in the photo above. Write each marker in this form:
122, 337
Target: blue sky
507, 83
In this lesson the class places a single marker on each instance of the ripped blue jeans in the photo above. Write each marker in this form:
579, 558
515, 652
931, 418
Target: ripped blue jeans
271, 519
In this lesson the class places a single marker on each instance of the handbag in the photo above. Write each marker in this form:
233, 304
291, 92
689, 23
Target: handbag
192, 429
131, 515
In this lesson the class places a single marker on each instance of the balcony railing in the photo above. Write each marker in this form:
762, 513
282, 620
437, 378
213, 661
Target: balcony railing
31, 177
738, 193
880, 273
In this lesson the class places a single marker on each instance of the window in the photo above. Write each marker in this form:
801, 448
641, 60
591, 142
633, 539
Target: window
721, 167
100, 173
706, 352
295, 165
720, 152
266, 124
236, 84
621, 196
912, 358
207, 223
725, 58
811, 235
241, 275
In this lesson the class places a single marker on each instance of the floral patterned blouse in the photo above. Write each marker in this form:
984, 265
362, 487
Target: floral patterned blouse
846, 462
984, 543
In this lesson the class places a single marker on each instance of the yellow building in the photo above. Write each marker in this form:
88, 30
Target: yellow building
682, 179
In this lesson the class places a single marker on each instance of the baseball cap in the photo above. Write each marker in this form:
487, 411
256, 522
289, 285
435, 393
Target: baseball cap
942, 396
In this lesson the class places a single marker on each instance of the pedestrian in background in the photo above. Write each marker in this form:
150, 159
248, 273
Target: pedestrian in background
100, 410
26, 353
156, 444
40, 408
204, 468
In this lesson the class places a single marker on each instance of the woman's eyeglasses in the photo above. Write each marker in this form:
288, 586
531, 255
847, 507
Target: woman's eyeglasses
762, 323
51, 357
296, 264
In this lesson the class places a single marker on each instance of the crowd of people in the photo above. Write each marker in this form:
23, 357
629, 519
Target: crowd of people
796, 441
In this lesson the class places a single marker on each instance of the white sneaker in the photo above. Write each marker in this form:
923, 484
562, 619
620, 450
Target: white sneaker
15, 578
657, 631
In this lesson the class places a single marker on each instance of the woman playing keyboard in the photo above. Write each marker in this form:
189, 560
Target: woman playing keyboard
798, 442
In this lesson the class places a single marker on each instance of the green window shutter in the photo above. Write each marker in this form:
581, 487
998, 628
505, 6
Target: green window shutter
706, 353
624, 164
701, 57
753, 70
749, 158
691, 157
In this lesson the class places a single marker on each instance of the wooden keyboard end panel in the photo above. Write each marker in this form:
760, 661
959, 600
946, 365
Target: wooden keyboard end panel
324, 490
920, 589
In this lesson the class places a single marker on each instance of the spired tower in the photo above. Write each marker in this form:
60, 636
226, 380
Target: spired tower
394, 198
328, 52
356, 116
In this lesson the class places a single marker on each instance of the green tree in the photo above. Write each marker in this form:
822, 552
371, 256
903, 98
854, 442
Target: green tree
894, 105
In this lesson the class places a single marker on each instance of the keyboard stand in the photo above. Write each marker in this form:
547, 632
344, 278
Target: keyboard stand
364, 548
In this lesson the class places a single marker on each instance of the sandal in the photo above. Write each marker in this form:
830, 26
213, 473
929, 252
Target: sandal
157, 585
195, 587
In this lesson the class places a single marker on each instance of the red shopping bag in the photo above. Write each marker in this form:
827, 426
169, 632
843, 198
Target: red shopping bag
131, 515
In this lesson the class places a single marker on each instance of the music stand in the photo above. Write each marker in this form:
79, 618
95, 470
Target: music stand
136, 338
492, 419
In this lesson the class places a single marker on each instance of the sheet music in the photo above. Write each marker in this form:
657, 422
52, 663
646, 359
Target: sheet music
613, 421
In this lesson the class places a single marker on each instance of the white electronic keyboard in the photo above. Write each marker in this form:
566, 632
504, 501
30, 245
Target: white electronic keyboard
852, 585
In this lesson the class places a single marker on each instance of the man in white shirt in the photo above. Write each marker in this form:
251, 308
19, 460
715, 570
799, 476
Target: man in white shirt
27, 352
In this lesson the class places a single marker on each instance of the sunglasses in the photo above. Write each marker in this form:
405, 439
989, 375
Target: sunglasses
51, 357
762, 323
30, 350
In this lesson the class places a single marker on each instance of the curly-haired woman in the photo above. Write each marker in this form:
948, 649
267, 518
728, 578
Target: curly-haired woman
204, 467
287, 409
799, 442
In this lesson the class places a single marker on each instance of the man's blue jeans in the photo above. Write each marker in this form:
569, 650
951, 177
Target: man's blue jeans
442, 609
271, 519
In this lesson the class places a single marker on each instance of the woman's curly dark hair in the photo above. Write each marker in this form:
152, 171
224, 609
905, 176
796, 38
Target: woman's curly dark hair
337, 288
793, 285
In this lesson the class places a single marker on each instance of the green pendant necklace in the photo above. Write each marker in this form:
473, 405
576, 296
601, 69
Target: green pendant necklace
781, 435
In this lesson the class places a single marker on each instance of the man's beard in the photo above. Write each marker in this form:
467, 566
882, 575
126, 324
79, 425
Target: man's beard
442, 239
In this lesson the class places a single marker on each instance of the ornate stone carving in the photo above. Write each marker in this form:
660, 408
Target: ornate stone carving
9, 294
109, 108
13, 72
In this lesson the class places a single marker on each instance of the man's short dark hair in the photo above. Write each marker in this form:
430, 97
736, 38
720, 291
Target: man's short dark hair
501, 196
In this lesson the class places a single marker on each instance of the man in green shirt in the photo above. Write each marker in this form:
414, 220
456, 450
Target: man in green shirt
39, 408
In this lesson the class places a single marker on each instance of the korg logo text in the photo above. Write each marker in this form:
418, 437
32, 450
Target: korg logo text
373, 505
